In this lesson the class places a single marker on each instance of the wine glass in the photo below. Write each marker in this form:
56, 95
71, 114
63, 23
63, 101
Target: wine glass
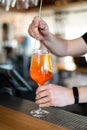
40, 72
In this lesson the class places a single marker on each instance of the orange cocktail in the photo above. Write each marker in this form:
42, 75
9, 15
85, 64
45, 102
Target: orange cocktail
41, 68
40, 72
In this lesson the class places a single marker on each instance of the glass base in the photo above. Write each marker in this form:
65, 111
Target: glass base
39, 113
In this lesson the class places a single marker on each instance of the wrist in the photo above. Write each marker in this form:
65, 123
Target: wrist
70, 96
47, 39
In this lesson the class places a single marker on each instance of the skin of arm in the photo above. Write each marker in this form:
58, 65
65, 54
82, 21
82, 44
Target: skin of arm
55, 95
58, 46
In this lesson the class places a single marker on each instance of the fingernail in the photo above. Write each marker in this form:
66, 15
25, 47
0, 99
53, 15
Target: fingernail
42, 27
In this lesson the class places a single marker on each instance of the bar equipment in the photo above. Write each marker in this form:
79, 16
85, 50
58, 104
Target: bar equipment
19, 4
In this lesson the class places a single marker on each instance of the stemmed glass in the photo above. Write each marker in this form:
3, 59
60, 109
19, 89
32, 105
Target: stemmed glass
40, 72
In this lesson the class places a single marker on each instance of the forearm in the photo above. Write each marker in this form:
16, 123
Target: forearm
63, 47
57, 46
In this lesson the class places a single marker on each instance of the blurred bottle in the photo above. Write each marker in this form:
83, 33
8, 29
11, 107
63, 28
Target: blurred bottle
27, 46
7, 32
22, 4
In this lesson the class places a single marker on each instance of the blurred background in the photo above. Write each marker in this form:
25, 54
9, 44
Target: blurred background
66, 18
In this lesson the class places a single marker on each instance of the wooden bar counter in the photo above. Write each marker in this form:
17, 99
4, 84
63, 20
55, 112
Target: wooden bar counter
14, 115
13, 120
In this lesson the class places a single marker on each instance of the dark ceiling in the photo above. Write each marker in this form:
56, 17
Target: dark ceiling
48, 2
53, 2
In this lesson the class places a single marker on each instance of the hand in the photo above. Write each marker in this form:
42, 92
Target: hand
54, 95
38, 29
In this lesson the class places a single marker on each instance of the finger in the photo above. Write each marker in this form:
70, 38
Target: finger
33, 31
35, 21
41, 95
42, 25
42, 100
41, 88
38, 26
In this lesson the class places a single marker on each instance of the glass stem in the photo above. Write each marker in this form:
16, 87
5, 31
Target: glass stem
40, 108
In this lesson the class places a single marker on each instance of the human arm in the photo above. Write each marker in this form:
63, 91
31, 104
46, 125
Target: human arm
55, 95
58, 46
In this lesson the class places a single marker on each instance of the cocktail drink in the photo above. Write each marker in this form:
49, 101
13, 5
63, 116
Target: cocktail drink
40, 72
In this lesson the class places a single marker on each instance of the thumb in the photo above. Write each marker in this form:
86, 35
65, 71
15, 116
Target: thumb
43, 26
